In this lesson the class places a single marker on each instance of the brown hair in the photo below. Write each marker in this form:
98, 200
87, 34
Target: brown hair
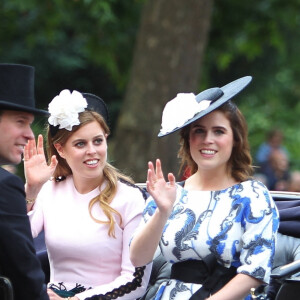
111, 174
240, 161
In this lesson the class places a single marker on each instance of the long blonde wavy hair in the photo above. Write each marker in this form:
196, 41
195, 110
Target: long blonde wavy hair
111, 174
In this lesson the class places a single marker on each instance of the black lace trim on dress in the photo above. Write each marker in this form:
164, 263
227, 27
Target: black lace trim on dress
123, 289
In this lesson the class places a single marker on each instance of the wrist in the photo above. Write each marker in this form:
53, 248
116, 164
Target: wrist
32, 190
164, 213
30, 200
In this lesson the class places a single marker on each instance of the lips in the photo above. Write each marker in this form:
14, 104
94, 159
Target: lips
20, 147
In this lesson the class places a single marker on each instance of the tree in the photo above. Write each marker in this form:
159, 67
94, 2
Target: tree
167, 60
88, 45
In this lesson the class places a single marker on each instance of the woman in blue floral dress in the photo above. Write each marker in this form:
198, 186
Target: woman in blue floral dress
218, 227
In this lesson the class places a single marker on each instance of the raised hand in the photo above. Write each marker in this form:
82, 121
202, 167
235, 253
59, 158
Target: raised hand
37, 171
164, 193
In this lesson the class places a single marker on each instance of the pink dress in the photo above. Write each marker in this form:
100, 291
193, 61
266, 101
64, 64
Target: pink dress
80, 250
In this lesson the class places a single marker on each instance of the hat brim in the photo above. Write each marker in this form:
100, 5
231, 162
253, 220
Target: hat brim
4, 105
227, 92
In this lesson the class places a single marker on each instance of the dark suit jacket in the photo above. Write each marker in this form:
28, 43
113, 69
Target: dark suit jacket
18, 259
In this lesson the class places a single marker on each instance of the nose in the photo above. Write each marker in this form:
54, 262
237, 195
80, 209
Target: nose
29, 133
91, 149
208, 138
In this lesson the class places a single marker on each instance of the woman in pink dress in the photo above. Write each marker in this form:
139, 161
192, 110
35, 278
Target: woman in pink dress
87, 208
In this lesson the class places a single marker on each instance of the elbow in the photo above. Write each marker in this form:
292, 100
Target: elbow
137, 257
139, 254
136, 260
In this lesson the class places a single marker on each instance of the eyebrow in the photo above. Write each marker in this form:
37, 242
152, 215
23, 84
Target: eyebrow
214, 127
83, 139
24, 117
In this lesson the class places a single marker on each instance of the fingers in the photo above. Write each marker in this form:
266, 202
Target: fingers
150, 177
159, 172
150, 166
156, 174
26, 152
30, 149
172, 179
40, 145
53, 162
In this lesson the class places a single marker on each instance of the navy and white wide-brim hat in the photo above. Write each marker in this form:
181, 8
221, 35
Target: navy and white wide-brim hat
17, 88
187, 108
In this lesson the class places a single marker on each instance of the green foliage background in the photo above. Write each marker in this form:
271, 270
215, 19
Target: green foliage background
88, 45
260, 38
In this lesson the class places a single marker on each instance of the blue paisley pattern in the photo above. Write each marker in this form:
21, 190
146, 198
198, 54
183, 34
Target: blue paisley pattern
237, 224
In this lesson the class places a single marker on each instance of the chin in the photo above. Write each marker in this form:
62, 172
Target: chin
14, 161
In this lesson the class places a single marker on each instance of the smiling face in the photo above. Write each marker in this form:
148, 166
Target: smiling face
15, 131
211, 142
85, 151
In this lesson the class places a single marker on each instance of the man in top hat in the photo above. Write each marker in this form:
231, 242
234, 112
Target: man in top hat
18, 261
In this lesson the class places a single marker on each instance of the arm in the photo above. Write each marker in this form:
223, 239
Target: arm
37, 171
17, 254
145, 242
237, 288
261, 223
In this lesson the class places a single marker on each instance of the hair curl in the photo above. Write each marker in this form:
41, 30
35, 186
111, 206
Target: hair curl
240, 161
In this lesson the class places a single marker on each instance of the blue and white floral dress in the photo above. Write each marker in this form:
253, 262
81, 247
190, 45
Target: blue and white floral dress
237, 224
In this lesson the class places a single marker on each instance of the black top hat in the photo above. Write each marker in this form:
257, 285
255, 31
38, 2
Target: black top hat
195, 107
17, 88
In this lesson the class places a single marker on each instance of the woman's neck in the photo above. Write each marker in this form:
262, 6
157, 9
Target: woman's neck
86, 185
209, 181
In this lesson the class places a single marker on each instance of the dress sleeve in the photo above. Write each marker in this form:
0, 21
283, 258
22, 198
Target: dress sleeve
36, 214
17, 254
260, 222
131, 216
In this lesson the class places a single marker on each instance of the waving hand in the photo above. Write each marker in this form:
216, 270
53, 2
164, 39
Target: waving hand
164, 193
37, 171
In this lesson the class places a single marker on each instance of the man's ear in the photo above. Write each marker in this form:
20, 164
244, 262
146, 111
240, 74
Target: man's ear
59, 149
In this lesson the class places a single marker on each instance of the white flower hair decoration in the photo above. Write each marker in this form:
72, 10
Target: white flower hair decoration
180, 110
64, 109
